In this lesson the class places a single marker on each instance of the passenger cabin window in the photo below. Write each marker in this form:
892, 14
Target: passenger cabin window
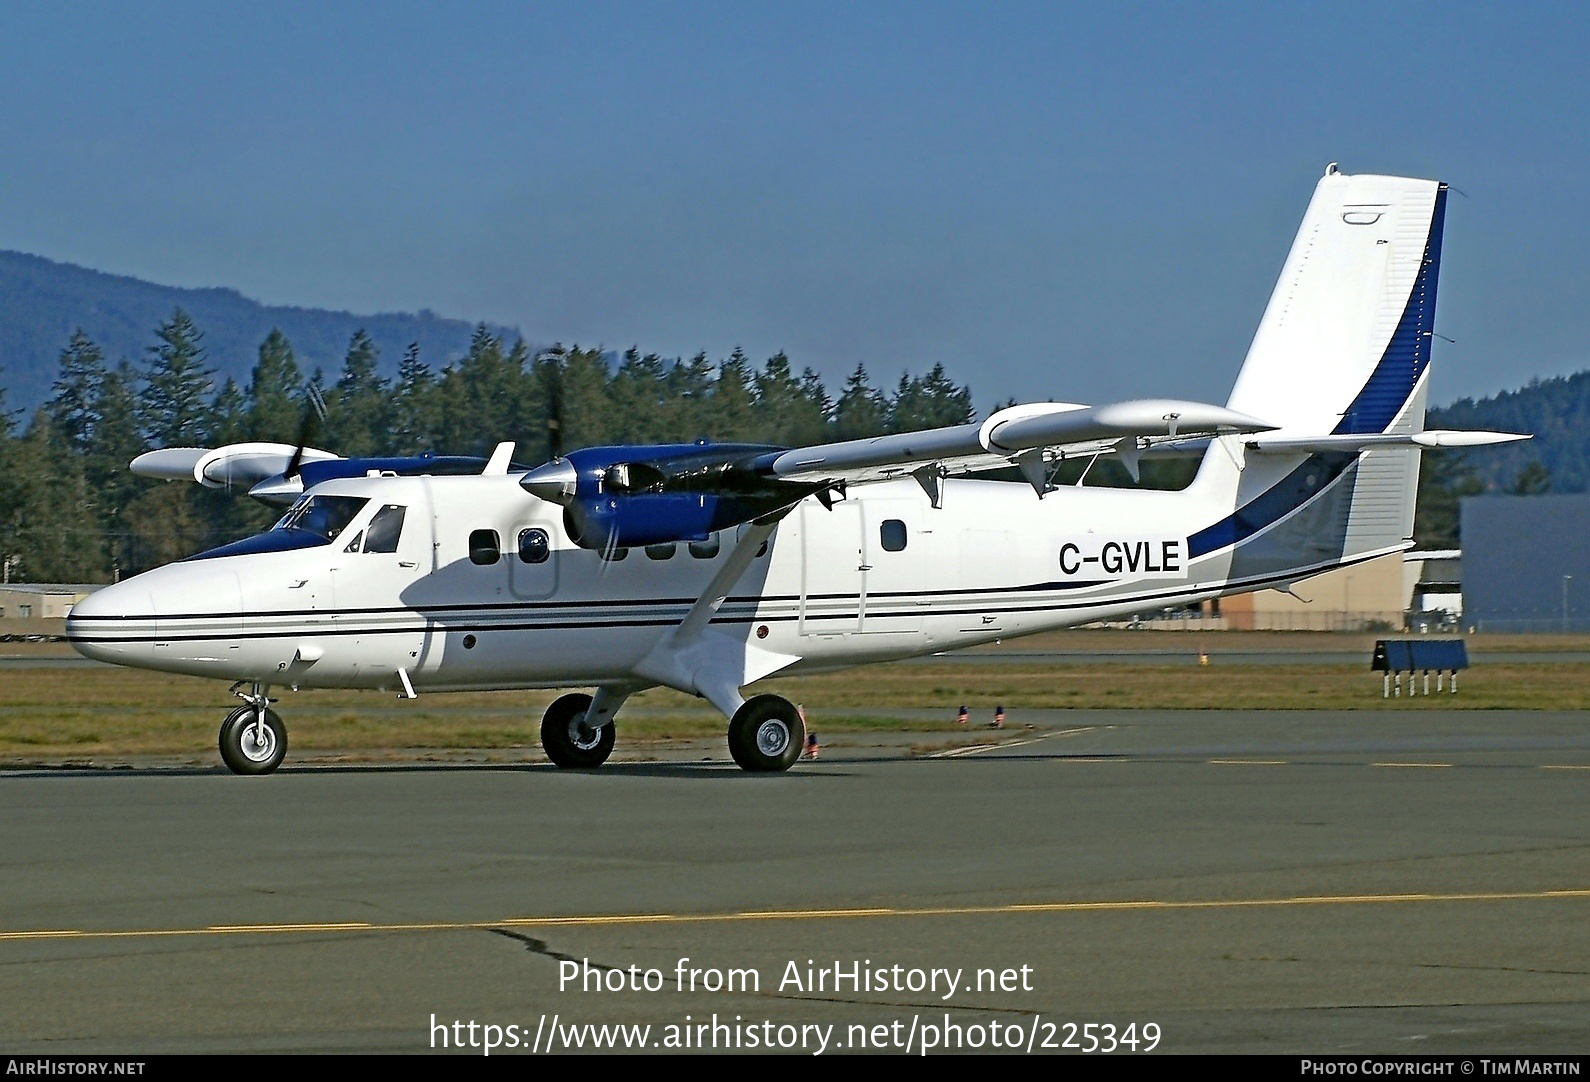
534, 546
892, 534
664, 551
385, 529
705, 550
483, 547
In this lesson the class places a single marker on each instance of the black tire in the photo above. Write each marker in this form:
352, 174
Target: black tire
561, 738
238, 750
766, 734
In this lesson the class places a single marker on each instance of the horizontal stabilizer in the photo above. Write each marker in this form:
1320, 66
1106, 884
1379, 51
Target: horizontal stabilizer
1435, 437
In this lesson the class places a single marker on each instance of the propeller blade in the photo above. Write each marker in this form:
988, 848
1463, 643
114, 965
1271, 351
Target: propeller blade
554, 371
314, 405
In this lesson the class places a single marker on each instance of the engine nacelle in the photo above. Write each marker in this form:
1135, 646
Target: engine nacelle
647, 519
620, 497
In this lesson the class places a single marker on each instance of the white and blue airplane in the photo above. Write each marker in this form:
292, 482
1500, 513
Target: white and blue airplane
707, 567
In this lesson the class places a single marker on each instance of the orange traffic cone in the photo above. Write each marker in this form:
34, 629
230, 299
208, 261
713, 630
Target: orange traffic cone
811, 745
999, 717
963, 716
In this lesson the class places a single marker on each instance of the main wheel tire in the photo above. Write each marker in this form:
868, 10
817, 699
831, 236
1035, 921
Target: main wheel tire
563, 741
242, 752
766, 734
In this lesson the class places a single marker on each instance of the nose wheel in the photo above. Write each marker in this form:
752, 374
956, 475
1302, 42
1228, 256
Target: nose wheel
251, 744
569, 739
253, 739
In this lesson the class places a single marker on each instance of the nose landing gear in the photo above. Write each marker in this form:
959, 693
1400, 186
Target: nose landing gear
570, 739
253, 739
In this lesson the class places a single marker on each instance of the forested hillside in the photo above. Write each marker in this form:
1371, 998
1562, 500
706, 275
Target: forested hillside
70, 511
1556, 411
42, 302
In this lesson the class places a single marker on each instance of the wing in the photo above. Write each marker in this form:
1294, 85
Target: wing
235, 465
1027, 436
280, 472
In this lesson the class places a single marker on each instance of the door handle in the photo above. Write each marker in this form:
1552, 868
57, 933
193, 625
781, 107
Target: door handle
407, 563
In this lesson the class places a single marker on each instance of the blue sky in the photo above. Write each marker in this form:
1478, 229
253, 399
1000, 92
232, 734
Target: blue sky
1080, 202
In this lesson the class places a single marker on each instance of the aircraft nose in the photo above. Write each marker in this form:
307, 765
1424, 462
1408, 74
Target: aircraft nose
109, 621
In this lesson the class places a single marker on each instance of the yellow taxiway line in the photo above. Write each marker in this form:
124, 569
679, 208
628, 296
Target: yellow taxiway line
593, 920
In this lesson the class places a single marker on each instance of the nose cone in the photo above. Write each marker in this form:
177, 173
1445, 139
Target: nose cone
552, 481
113, 622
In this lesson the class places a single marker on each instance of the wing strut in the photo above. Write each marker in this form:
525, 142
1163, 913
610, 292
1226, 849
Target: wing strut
717, 591
700, 660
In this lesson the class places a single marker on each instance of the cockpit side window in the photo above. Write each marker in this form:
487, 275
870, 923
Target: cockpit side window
385, 529
324, 516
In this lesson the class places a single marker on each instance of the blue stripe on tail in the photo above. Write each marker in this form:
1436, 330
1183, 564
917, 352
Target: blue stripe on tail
1408, 353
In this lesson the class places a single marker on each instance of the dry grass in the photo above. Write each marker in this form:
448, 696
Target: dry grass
94, 711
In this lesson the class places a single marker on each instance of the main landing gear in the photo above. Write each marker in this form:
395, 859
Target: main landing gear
766, 734
253, 739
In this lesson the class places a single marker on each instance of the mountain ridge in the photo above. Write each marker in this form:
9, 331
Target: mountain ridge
43, 301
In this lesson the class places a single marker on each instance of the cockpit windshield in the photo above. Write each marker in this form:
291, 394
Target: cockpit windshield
326, 516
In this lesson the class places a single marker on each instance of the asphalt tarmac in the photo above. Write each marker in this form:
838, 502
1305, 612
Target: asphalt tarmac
1242, 882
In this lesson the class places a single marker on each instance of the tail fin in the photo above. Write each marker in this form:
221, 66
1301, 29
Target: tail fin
1344, 346
1343, 349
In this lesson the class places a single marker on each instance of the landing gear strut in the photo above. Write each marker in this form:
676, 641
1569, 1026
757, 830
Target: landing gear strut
253, 739
569, 738
766, 734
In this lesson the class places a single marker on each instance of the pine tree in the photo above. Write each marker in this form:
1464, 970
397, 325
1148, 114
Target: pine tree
861, 411
637, 394
177, 385
686, 394
583, 383
162, 525
412, 427
118, 439
47, 517
482, 398
73, 405
733, 402
361, 409
275, 389
787, 411
822, 408
944, 402
229, 414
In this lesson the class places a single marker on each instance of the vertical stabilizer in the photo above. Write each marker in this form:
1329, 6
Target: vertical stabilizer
1345, 341
1343, 349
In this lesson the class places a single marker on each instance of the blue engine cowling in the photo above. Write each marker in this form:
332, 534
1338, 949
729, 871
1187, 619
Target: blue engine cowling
618, 497
652, 519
